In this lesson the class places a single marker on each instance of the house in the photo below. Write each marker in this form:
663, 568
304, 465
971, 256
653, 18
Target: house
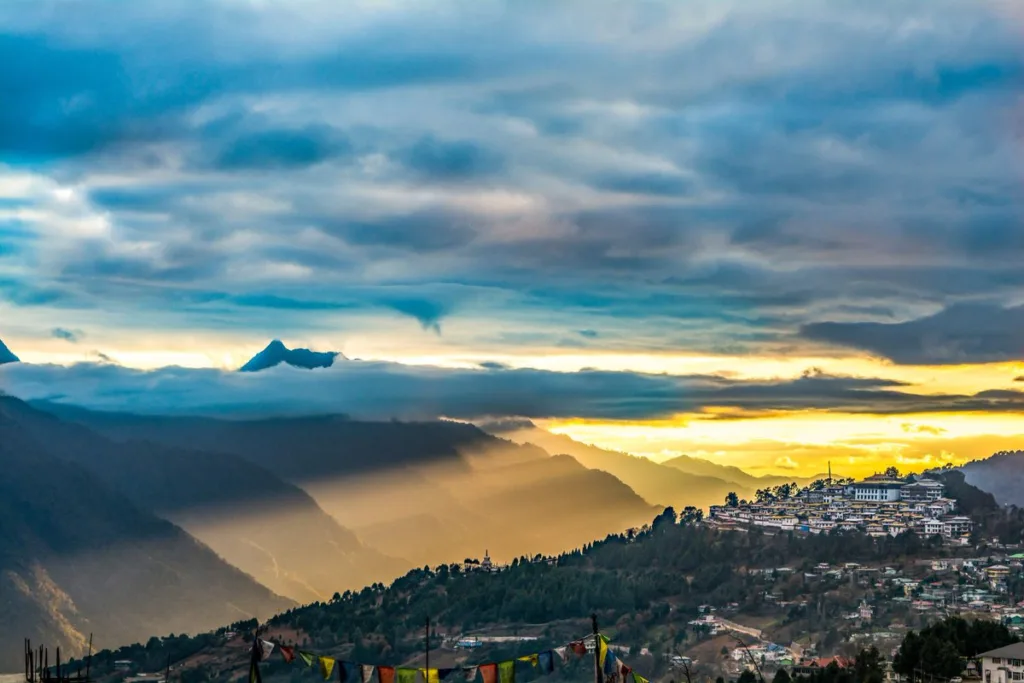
956, 526
807, 667
997, 572
1003, 665
145, 678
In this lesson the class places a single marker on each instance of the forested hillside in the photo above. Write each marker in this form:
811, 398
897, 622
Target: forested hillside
644, 587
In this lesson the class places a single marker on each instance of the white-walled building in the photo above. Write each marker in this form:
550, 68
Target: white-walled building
877, 490
1003, 665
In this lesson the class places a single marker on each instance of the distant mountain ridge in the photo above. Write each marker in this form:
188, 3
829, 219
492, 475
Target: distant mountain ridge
422, 491
78, 557
679, 482
6, 355
692, 465
1001, 474
276, 353
255, 520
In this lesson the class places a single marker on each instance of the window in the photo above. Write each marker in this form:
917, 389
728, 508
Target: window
997, 660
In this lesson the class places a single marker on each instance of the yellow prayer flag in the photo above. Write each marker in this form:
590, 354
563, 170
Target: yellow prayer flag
637, 678
603, 644
430, 676
326, 667
532, 659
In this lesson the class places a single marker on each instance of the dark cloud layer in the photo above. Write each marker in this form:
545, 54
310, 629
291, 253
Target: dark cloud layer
385, 390
963, 333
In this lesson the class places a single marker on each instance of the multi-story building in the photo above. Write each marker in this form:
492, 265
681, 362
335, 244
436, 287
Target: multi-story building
921, 491
877, 489
1003, 665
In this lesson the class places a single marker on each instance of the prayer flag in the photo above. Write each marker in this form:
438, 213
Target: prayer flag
430, 676
470, 673
386, 674
367, 672
602, 644
307, 657
489, 673
507, 672
406, 675
546, 661
326, 667
637, 678
561, 652
287, 652
532, 659
611, 664
266, 648
579, 647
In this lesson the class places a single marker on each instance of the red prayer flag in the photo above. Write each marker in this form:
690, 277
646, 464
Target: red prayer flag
489, 672
386, 674
287, 652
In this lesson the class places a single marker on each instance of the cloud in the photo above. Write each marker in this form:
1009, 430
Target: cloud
922, 429
380, 390
786, 463
73, 336
282, 149
451, 160
821, 172
429, 313
961, 333
656, 184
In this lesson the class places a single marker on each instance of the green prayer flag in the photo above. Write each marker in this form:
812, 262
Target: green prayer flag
307, 657
406, 675
507, 672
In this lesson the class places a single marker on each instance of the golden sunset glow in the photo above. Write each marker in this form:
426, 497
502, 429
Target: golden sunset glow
778, 442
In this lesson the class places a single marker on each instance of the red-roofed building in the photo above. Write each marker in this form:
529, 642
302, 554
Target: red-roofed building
806, 667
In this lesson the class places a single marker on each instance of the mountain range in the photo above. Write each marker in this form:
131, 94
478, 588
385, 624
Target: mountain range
129, 526
679, 482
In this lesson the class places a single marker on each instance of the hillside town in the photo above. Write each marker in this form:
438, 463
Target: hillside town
881, 505
885, 602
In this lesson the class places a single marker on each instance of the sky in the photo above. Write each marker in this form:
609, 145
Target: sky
771, 233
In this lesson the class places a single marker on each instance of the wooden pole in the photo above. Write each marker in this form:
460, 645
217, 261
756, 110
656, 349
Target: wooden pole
426, 665
597, 650
88, 662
